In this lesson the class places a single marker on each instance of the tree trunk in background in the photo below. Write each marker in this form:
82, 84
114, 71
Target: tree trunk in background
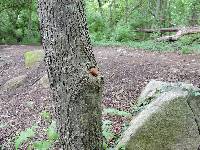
30, 19
111, 14
159, 9
100, 7
126, 11
193, 21
69, 57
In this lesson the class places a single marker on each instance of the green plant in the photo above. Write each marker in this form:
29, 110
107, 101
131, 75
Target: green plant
114, 111
41, 145
52, 136
24, 136
186, 50
28, 135
122, 147
46, 115
123, 33
51, 132
107, 133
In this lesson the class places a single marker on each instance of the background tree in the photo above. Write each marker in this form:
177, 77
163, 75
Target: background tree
69, 58
108, 20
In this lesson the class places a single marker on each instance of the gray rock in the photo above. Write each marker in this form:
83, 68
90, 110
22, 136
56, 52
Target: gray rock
169, 120
44, 81
14, 83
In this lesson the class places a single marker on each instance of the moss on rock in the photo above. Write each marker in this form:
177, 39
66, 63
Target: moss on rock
168, 118
14, 83
172, 128
33, 57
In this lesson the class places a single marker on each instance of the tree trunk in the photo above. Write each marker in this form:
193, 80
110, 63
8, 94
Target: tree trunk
126, 11
159, 30
30, 19
179, 34
193, 21
69, 57
100, 7
111, 13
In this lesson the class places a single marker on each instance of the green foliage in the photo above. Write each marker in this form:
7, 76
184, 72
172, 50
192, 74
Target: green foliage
189, 43
111, 138
28, 135
122, 147
186, 50
123, 34
24, 136
46, 115
107, 132
113, 111
19, 22
42, 145
114, 23
51, 132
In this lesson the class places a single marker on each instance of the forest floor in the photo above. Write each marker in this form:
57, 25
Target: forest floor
126, 71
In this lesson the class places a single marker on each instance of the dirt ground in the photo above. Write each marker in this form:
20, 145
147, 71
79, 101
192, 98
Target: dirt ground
126, 71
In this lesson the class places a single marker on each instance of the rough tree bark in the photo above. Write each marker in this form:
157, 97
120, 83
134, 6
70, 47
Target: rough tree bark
76, 89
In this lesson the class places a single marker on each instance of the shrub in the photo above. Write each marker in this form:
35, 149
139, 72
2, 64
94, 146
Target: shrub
123, 33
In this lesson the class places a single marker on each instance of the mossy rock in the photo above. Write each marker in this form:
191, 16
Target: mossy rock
14, 83
155, 88
33, 57
171, 121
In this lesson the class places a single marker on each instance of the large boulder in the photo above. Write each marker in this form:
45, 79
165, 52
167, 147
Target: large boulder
168, 119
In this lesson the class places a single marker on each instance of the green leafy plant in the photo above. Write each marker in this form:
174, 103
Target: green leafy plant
51, 132
195, 93
52, 136
107, 132
28, 135
122, 147
24, 136
46, 115
114, 111
186, 50
41, 145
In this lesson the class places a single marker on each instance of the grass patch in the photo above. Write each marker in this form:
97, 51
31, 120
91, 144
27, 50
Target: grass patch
182, 46
145, 45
